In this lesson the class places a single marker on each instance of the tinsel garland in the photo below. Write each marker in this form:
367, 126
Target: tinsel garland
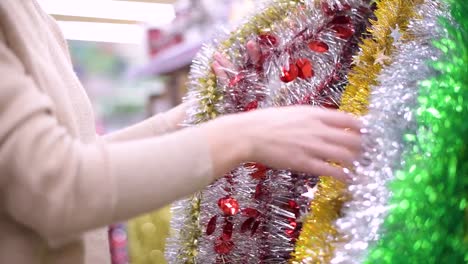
392, 16
279, 208
375, 51
390, 116
315, 241
429, 194
182, 243
254, 213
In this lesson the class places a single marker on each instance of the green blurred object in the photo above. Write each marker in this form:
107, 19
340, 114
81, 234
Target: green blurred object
96, 59
427, 220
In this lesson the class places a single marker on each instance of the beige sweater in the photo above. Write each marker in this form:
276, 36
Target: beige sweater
58, 180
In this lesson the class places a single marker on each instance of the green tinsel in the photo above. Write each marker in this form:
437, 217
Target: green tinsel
428, 217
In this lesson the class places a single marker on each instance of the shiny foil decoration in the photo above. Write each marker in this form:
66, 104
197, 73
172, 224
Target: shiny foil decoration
254, 214
390, 116
375, 52
314, 244
390, 14
426, 221
182, 242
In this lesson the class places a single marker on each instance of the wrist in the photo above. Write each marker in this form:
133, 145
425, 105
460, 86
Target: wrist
229, 145
241, 137
175, 117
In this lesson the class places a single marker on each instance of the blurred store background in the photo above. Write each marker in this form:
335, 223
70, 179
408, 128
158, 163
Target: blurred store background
133, 57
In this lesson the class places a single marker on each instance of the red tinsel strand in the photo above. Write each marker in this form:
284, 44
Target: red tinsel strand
248, 90
269, 237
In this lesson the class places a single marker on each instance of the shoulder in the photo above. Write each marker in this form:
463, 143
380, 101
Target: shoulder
11, 8
18, 15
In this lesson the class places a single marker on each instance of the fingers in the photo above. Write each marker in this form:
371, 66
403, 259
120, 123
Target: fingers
340, 119
347, 139
220, 73
334, 153
225, 64
223, 68
322, 168
253, 50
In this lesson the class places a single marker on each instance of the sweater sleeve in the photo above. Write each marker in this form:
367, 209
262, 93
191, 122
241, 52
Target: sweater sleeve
60, 187
157, 125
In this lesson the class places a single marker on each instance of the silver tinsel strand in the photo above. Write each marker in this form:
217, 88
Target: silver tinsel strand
390, 116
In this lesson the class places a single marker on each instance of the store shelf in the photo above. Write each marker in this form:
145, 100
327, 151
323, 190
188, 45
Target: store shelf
169, 60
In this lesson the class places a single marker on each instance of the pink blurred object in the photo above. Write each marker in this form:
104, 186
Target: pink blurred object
118, 244
174, 46
158, 41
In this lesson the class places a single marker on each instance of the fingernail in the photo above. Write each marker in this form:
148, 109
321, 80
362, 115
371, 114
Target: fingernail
348, 177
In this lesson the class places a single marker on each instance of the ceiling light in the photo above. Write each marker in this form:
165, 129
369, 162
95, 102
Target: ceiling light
154, 13
102, 32
107, 20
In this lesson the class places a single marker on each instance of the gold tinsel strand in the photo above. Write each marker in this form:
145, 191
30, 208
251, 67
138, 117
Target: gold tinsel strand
189, 254
312, 245
318, 233
376, 52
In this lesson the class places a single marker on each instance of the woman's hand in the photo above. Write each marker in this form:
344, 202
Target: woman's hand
223, 69
301, 138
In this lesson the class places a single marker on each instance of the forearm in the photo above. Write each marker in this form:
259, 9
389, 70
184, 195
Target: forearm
154, 126
151, 173
157, 125
174, 165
